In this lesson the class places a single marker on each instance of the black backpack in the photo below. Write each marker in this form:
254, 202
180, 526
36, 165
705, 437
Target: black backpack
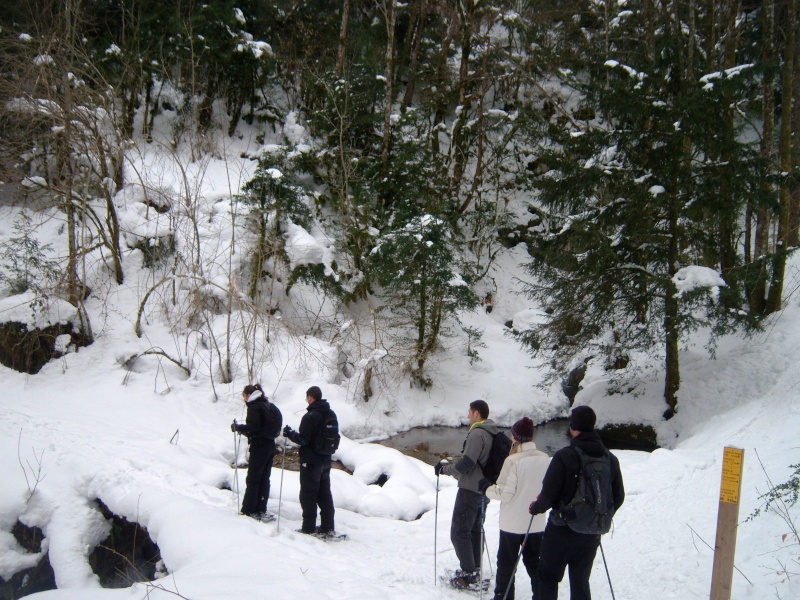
327, 439
501, 448
591, 510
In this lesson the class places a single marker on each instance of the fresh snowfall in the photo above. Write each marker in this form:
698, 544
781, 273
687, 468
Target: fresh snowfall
155, 446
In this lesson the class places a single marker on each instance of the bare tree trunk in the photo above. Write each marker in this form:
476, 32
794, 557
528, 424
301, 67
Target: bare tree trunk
730, 207
774, 300
447, 32
391, 15
458, 149
74, 295
419, 30
794, 214
672, 377
342, 38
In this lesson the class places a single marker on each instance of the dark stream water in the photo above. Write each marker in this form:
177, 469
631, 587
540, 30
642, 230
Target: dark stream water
431, 444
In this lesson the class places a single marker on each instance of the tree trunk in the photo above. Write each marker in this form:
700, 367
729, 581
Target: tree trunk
74, 294
342, 38
391, 14
774, 300
262, 249
447, 30
672, 377
408, 96
794, 216
729, 206
758, 293
458, 146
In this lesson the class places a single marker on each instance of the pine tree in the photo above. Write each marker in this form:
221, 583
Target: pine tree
635, 178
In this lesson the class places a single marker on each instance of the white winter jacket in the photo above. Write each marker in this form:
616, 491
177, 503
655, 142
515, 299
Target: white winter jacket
518, 485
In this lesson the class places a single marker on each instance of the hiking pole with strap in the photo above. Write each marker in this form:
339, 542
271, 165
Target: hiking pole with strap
236, 466
488, 554
483, 540
605, 564
280, 489
435, 528
519, 555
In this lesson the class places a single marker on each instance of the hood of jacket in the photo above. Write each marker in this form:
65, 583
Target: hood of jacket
321, 405
589, 442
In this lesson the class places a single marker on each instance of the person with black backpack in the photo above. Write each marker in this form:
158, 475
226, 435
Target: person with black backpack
318, 438
583, 487
262, 425
470, 505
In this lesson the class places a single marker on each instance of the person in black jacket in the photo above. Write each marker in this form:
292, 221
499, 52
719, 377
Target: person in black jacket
262, 425
561, 547
315, 469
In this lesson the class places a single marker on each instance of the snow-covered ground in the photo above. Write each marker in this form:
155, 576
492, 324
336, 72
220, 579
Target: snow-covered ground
156, 448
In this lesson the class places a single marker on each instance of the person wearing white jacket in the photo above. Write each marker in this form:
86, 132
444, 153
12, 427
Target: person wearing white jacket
519, 481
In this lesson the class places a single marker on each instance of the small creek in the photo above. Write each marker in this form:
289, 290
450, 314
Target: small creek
431, 444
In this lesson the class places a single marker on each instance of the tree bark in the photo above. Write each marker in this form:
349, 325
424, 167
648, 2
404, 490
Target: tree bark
391, 15
419, 30
774, 300
342, 38
758, 294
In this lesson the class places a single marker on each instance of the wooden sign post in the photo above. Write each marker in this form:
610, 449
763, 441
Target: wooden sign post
727, 522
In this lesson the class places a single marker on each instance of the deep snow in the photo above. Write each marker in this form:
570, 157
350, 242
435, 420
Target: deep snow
156, 448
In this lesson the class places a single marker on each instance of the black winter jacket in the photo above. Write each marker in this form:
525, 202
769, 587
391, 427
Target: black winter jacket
561, 479
263, 423
310, 426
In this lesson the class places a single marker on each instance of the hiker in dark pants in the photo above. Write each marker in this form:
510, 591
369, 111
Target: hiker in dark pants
519, 481
315, 468
262, 425
466, 525
561, 546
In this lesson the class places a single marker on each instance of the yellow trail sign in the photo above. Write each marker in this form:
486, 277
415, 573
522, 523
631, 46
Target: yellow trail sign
727, 520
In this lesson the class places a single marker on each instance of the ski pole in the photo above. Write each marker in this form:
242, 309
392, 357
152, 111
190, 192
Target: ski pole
519, 555
280, 490
236, 468
488, 554
483, 541
605, 564
435, 528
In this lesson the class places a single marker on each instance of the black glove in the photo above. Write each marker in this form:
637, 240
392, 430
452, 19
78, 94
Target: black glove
483, 485
437, 468
532, 507
287, 431
234, 427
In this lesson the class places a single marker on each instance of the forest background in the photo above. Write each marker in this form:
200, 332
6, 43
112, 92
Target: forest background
622, 142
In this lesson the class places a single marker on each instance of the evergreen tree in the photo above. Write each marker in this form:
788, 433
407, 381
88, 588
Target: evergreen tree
632, 186
276, 199
424, 285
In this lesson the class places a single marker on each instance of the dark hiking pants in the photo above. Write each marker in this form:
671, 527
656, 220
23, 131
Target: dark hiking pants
562, 548
258, 471
315, 490
465, 528
507, 553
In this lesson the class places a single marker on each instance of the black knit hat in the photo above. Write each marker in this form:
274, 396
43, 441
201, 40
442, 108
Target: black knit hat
582, 419
523, 430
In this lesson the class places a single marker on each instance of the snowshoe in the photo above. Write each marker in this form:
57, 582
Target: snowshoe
327, 535
465, 581
264, 517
